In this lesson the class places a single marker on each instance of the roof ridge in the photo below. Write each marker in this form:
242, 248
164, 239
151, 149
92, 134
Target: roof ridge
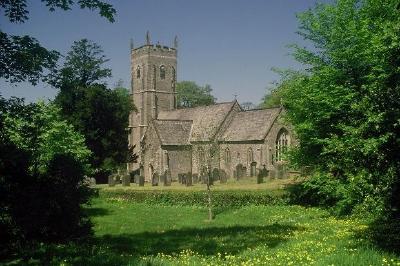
259, 109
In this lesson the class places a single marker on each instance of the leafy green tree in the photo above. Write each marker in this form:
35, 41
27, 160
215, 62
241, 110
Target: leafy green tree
22, 58
83, 66
189, 94
42, 166
99, 113
345, 107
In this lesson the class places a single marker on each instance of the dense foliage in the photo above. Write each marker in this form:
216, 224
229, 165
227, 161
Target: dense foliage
23, 58
99, 113
42, 164
189, 94
345, 107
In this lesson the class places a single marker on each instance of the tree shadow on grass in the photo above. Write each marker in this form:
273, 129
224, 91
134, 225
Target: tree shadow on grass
204, 241
127, 249
383, 234
92, 212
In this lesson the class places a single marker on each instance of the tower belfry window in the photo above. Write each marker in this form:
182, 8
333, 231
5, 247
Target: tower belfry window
138, 73
162, 72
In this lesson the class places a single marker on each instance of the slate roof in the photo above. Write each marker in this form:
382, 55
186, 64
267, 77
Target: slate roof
250, 125
173, 132
206, 119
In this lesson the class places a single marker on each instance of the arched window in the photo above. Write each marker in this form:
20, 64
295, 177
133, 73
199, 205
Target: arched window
250, 156
227, 156
281, 145
162, 72
138, 72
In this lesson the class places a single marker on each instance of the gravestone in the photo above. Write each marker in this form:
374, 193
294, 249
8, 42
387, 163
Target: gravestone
262, 174
180, 178
253, 169
223, 177
136, 179
126, 180
155, 179
111, 181
168, 178
281, 171
189, 181
215, 174
141, 181
195, 178
272, 174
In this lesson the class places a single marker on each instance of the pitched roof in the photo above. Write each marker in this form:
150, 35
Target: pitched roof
206, 119
173, 132
250, 125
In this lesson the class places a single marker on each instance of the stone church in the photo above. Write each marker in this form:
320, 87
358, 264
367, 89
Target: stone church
192, 140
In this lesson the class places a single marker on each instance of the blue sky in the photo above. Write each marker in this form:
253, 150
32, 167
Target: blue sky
230, 44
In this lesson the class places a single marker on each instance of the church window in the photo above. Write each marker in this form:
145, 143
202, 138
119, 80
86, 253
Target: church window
250, 156
227, 156
138, 72
281, 144
162, 72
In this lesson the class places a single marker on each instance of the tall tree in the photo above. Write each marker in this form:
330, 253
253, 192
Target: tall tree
99, 113
189, 94
23, 58
345, 107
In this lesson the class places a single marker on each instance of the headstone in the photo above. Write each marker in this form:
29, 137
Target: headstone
155, 179
253, 169
223, 177
260, 178
281, 171
136, 179
141, 181
195, 178
111, 181
167, 178
180, 178
272, 174
126, 180
188, 178
215, 174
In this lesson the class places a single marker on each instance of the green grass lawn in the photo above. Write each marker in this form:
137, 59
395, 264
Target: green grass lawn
128, 233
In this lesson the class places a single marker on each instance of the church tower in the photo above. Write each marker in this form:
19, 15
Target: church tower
153, 81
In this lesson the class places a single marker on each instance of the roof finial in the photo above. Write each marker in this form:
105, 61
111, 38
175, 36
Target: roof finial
131, 43
148, 38
235, 96
176, 42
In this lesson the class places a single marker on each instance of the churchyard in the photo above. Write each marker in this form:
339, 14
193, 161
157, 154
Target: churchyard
253, 224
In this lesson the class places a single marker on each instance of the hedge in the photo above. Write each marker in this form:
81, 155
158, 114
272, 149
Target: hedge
234, 198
